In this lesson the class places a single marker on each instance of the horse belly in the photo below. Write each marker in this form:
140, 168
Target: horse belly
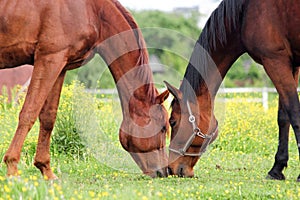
16, 55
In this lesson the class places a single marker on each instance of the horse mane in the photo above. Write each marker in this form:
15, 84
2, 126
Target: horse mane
222, 22
144, 71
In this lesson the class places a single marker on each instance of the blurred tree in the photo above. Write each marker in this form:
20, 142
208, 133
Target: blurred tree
94, 74
246, 73
170, 36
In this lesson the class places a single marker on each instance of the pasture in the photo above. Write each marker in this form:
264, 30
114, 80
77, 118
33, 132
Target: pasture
91, 164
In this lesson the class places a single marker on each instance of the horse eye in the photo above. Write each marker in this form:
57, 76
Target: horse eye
164, 129
172, 122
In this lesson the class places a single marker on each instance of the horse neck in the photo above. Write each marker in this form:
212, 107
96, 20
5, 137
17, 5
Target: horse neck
207, 69
221, 37
205, 73
218, 46
133, 80
123, 48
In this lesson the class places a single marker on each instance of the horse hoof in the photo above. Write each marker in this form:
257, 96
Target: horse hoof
279, 176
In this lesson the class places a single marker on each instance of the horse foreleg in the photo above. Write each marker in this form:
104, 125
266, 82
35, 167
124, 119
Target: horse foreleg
47, 119
46, 70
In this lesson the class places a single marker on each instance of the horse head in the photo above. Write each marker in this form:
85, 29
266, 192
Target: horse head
192, 132
143, 134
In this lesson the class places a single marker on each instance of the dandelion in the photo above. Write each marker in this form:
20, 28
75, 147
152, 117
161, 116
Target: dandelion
104, 194
34, 178
51, 192
159, 194
2, 178
92, 194
144, 198
35, 183
24, 189
57, 187
6, 189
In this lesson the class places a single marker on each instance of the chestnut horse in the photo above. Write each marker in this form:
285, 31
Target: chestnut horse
269, 32
56, 36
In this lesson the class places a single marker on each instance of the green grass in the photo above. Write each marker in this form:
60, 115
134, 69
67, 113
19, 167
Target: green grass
234, 167
240, 176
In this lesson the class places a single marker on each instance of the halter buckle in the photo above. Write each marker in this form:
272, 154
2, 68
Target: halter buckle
192, 119
200, 134
196, 132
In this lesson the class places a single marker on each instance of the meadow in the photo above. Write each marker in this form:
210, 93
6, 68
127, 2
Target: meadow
91, 164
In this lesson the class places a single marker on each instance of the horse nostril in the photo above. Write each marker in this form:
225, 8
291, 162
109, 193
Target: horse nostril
169, 171
159, 174
181, 174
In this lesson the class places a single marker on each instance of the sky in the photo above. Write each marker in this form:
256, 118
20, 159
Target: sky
205, 6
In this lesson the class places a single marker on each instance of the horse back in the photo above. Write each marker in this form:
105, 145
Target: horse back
28, 27
271, 26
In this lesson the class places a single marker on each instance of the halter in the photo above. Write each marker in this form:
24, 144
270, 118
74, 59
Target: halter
196, 132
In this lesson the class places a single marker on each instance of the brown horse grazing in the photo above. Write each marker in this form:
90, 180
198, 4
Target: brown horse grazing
56, 36
269, 31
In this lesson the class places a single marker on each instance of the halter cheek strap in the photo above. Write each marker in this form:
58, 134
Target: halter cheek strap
196, 132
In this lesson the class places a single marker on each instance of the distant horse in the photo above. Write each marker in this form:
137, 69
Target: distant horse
10, 78
56, 36
269, 32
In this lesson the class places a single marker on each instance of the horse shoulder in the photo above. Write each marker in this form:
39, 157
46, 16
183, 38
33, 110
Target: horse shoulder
68, 28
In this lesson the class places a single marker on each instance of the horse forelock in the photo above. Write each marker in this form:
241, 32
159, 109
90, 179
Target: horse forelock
144, 72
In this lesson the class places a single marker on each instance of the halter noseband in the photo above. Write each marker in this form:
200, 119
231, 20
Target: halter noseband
196, 132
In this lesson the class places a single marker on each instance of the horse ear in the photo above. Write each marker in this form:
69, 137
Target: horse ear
162, 97
174, 91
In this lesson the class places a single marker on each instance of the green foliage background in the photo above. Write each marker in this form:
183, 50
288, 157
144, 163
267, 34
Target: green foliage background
171, 37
